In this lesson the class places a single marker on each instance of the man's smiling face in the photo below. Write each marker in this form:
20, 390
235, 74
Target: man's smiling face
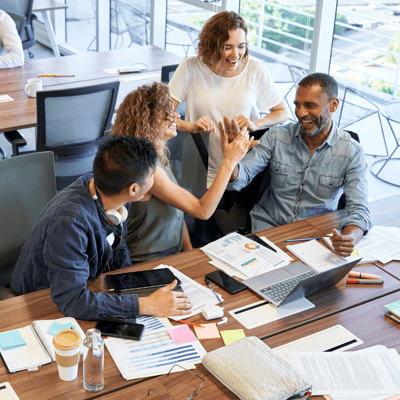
313, 110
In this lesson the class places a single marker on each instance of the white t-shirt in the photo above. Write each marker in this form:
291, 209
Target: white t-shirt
11, 52
207, 94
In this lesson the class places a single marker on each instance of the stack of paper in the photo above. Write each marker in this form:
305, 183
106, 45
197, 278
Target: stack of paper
372, 373
199, 295
244, 257
380, 244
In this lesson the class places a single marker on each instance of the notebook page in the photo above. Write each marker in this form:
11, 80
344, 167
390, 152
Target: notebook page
42, 327
316, 255
29, 356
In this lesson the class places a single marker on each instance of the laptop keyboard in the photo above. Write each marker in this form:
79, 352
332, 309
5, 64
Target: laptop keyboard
279, 291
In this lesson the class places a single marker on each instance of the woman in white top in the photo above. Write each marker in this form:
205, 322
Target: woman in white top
11, 52
223, 81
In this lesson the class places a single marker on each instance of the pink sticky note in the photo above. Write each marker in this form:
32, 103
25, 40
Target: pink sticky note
181, 335
208, 331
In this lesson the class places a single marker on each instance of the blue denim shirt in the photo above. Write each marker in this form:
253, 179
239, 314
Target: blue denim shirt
305, 185
68, 246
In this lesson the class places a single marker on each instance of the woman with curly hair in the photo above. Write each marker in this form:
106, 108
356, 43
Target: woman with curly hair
155, 225
224, 81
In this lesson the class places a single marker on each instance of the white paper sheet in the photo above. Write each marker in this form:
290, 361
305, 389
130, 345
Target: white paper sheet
243, 254
262, 312
316, 255
154, 354
350, 373
143, 76
335, 338
199, 295
381, 244
5, 98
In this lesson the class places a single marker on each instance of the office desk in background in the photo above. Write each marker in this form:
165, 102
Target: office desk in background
44, 7
342, 304
87, 69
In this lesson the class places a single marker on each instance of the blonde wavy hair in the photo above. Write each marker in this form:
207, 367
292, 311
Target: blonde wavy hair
142, 114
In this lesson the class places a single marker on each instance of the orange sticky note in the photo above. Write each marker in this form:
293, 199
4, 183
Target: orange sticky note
182, 334
232, 336
208, 331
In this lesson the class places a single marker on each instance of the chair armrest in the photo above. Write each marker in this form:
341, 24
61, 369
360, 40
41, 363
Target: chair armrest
224, 221
6, 293
16, 140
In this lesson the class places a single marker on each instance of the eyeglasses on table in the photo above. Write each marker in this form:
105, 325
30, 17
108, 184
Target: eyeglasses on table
193, 394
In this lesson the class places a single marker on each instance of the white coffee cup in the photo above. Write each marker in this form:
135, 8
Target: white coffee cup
33, 86
67, 347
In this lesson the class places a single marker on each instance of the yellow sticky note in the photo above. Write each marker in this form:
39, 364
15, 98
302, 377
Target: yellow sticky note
232, 336
208, 331
354, 253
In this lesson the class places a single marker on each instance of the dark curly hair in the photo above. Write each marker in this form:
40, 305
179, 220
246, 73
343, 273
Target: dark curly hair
215, 34
143, 112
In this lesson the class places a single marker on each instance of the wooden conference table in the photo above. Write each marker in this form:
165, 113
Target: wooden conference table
358, 308
87, 69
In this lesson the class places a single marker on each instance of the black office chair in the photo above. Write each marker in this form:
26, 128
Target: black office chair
27, 184
71, 123
22, 7
189, 164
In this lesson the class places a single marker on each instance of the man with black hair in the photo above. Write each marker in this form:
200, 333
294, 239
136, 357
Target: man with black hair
312, 163
80, 234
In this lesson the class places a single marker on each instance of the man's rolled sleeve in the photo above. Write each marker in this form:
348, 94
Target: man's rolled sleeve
356, 192
253, 163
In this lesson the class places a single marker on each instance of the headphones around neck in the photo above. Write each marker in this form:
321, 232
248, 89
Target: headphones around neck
111, 217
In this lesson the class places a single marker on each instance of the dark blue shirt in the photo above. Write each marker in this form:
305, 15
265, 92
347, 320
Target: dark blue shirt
68, 246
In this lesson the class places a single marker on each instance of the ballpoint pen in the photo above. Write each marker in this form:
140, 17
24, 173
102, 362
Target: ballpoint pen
189, 323
212, 289
54, 75
302, 240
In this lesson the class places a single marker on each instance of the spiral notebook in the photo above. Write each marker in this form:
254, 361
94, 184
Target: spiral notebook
31, 346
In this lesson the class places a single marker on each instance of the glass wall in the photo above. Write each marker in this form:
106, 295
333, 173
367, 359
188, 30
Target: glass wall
80, 24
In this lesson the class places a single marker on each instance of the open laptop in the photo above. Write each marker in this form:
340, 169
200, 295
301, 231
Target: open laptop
295, 281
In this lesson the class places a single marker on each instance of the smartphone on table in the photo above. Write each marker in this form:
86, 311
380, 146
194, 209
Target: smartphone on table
225, 281
120, 329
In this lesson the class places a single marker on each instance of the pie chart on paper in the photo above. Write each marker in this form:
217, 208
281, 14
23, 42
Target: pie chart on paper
251, 246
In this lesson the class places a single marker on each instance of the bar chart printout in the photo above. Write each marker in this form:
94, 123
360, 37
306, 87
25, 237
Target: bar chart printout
154, 354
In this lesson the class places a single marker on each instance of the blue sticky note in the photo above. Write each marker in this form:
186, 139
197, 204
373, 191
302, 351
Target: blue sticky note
11, 340
57, 327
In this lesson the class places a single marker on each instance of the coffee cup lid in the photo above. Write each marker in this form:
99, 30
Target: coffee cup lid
67, 339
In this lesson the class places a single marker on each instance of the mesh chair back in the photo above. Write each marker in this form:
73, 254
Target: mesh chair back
19, 22
27, 184
22, 7
71, 123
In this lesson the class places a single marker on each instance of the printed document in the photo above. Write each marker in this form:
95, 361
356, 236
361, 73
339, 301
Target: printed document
380, 244
154, 354
248, 257
316, 255
345, 374
199, 295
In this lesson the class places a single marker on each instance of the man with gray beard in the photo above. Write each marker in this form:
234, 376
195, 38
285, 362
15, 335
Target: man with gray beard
311, 163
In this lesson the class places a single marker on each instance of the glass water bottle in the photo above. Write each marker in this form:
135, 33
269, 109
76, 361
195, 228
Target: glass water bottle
93, 361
